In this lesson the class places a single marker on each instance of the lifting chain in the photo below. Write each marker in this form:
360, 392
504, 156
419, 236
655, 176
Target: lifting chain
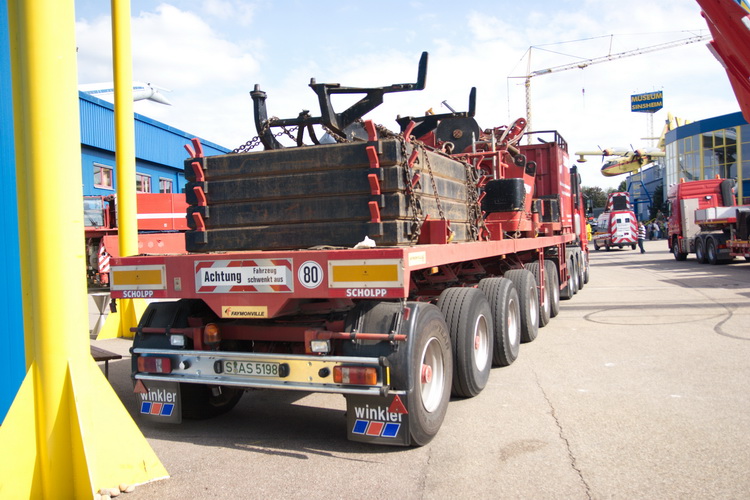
474, 211
255, 141
414, 201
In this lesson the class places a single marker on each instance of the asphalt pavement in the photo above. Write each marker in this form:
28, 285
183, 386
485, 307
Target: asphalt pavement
638, 389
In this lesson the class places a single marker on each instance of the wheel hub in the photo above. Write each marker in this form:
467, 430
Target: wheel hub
426, 374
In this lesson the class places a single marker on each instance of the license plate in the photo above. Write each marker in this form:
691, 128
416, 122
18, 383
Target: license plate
252, 368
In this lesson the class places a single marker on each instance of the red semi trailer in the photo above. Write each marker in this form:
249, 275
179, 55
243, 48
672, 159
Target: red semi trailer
394, 269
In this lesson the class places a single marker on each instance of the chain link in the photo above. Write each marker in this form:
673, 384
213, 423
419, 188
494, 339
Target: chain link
255, 141
414, 201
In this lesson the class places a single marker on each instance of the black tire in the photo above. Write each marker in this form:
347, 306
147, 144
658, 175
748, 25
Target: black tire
678, 256
587, 268
579, 267
424, 369
528, 297
506, 318
553, 278
712, 254
423, 366
607, 247
575, 274
596, 246
544, 298
469, 318
199, 401
700, 250
570, 288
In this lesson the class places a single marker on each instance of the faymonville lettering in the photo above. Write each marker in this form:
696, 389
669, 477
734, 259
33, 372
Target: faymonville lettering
221, 276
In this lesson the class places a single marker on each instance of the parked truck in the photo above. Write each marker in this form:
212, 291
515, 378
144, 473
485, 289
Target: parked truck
617, 226
705, 219
392, 268
161, 222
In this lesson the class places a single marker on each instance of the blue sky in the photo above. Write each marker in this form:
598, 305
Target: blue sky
211, 53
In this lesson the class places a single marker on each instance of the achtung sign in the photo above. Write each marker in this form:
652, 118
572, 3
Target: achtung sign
647, 103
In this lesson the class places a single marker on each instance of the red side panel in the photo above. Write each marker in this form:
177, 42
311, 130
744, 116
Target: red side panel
730, 27
162, 212
150, 244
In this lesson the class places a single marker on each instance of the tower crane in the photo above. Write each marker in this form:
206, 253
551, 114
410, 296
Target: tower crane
596, 60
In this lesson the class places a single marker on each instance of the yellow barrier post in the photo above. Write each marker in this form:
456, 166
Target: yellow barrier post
68, 430
129, 310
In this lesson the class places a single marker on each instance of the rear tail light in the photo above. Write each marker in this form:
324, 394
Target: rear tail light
358, 375
154, 364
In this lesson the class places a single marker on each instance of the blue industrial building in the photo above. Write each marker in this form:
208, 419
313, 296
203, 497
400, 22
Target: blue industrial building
707, 148
643, 187
159, 151
160, 156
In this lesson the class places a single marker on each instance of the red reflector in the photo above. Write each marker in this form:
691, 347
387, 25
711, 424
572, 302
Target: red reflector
154, 364
359, 375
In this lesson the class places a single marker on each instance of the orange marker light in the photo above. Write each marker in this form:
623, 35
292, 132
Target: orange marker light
211, 334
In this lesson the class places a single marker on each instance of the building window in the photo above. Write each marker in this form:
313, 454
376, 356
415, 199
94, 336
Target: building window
102, 176
142, 183
165, 185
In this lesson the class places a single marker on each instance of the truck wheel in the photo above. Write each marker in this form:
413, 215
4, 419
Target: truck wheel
570, 288
678, 256
430, 371
469, 319
587, 268
544, 298
550, 270
607, 247
574, 275
200, 401
712, 255
422, 366
700, 250
579, 268
596, 246
506, 317
525, 285
632, 247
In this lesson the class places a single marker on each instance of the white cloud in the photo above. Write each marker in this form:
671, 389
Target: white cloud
212, 62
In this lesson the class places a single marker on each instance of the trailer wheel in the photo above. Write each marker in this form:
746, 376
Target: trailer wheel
506, 317
678, 256
529, 299
544, 298
199, 401
575, 275
430, 371
587, 268
469, 320
553, 278
700, 250
579, 268
570, 288
712, 255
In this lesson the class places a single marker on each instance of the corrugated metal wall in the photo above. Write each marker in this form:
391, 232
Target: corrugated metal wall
159, 148
12, 359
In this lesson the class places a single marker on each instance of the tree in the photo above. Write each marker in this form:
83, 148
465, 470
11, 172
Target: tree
596, 194
623, 186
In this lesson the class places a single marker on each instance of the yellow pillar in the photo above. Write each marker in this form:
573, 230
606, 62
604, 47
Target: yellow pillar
129, 310
65, 421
